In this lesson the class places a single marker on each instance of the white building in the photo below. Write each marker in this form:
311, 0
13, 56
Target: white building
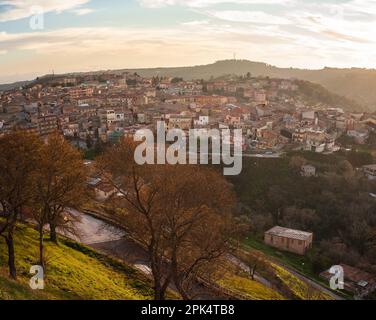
370, 171
308, 171
201, 121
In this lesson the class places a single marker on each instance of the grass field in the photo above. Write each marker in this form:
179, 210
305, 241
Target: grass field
299, 263
73, 272
251, 289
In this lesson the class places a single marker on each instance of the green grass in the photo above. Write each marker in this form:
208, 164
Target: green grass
297, 262
73, 272
253, 290
299, 288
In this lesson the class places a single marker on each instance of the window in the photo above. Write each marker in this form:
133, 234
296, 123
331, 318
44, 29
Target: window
300, 242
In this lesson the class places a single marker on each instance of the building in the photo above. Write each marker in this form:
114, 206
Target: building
76, 93
359, 137
292, 240
12, 108
211, 100
357, 281
201, 121
370, 171
47, 124
180, 122
101, 189
308, 171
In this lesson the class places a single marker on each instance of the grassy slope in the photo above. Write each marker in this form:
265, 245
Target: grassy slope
234, 279
297, 262
298, 287
73, 272
251, 289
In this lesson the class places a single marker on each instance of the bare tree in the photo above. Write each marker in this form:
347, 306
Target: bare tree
61, 184
180, 214
296, 162
18, 159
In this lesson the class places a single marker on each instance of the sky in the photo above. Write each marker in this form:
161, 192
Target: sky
41, 36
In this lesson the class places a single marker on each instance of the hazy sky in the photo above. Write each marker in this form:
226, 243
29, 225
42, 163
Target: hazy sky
82, 35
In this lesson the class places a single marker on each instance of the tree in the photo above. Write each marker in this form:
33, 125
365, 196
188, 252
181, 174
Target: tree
277, 199
300, 218
359, 158
180, 214
254, 260
176, 80
296, 162
18, 159
89, 141
197, 204
61, 184
346, 169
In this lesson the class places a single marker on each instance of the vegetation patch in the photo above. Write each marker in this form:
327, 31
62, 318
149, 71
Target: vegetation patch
74, 271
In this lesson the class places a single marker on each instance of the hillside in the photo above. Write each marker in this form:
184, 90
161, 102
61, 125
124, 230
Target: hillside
73, 272
355, 84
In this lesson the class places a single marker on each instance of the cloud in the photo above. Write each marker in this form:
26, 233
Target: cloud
257, 17
195, 23
299, 33
19, 9
83, 11
206, 3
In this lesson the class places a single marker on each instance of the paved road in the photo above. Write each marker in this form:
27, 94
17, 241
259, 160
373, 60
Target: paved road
92, 230
111, 240
273, 155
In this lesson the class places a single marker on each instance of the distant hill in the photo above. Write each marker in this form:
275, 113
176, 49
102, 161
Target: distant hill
9, 86
356, 84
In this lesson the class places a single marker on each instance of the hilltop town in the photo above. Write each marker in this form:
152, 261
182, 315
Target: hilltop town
275, 114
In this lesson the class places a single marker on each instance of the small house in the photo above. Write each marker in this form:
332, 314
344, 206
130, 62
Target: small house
308, 171
292, 240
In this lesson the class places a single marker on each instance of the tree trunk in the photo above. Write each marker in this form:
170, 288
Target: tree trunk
158, 293
11, 256
252, 271
180, 289
53, 234
178, 280
41, 247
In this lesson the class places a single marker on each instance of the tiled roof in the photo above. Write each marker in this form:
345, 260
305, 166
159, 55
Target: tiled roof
289, 233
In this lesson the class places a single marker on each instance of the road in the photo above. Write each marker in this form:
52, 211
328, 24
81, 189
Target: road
112, 241
92, 230
273, 155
